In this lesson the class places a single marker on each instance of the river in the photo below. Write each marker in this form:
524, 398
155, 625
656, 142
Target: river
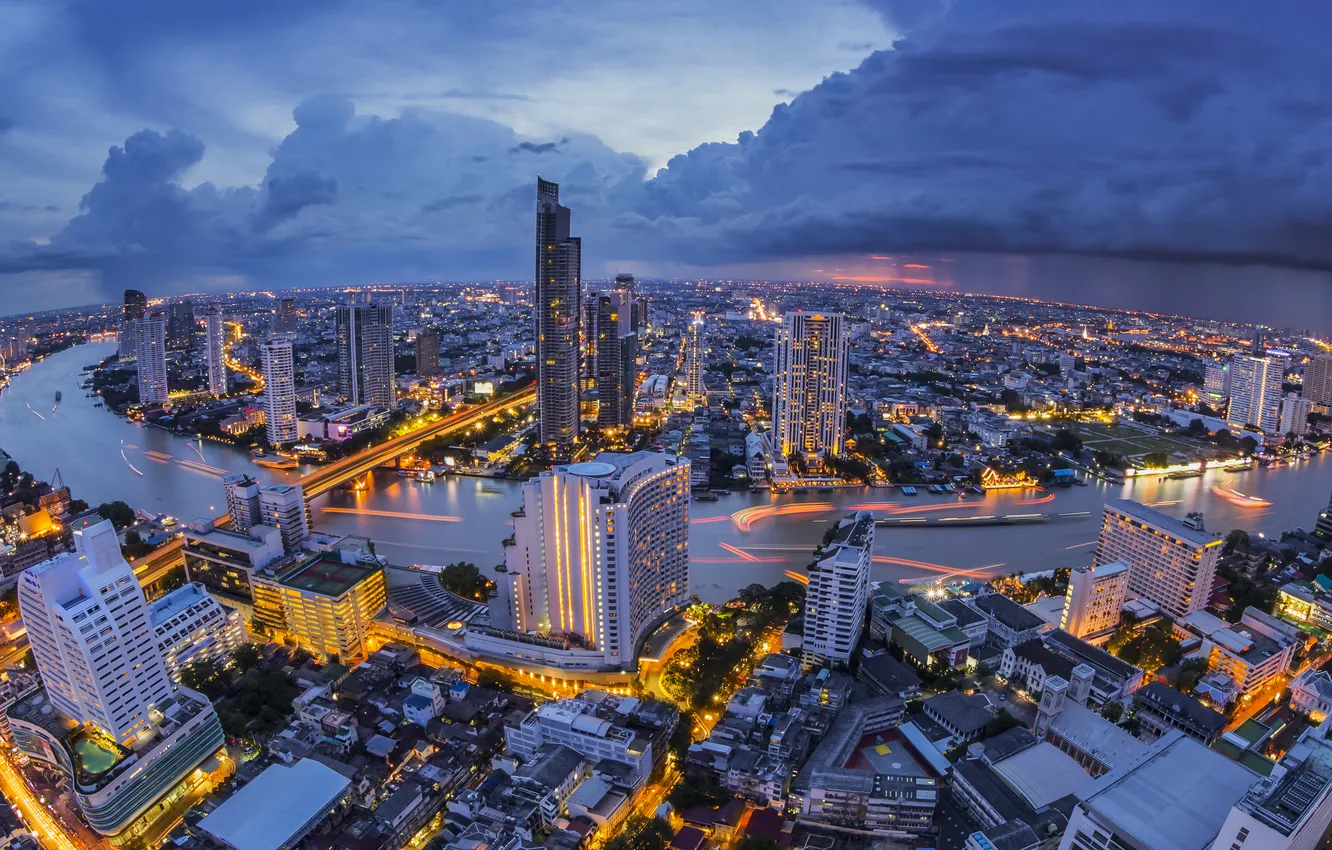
739, 539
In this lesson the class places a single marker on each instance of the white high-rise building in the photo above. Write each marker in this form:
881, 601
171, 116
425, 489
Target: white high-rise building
1318, 380
150, 353
242, 502
695, 389
279, 391
838, 593
191, 626
601, 553
88, 626
1095, 599
1255, 392
282, 506
1294, 415
214, 340
1171, 564
1216, 379
809, 391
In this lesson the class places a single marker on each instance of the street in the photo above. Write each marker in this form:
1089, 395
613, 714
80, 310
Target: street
50, 834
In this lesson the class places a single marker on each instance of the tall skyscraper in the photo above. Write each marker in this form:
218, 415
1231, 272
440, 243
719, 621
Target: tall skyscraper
180, 325
1294, 415
215, 340
1216, 379
1095, 599
279, 391
809, 390
282, 506
242, 502
150, 353
1318, 380
1255, 392
365, 354
135, 307
284, 317
557, 313
427, 353
615, 349
87, 623
695, 390
601, 552
838, 593
1171, 564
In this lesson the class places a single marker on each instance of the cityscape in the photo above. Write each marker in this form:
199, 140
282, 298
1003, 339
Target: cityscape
601, 555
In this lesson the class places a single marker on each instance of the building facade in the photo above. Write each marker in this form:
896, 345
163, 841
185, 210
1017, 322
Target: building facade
838, 593
282, 506
557, 313
1255, 392
180, 325
364, 339
279, 368
1171, 565
135, 307
242, 493
324, 603
696, 391
214, 344
150, 358
427, 353
809, 388
615, 354
1294, 415
1317, 386
191, 626
1094, 599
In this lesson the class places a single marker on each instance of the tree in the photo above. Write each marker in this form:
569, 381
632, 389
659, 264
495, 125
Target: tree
9, 602
466, 580
1248, 445
686, 795
494, 680
1156, 460
121, 515
1002, 722
1113, 711
206, 677
246, 657
1190, 673
1235, 539
1197, 428
756, 842
641, 833
1065, 440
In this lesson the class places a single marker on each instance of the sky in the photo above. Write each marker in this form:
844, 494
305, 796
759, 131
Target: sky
1127, 153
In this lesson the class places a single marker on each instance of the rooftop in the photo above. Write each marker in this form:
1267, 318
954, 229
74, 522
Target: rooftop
1008, 612
327, 577
1164, 522
272, 809
966, 713
1180, 706
1093, 734
1043, 774
176, 602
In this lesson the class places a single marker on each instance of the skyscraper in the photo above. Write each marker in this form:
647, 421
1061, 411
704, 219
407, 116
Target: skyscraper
600, 553
282, 506
1216, 379
279, 391
150, 353
1255, 392
242, 502
365, 354
1095, 599
1294, 415
1171, 564
284, 317
427, 353
110, 675
615, 346
557, 313
838, 592
215, 340
1323, 524
135, 306
695, 390
809, 390
180, 325
1318, 380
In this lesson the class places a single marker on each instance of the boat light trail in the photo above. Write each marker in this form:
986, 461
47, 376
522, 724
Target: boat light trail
132, 467
201, 467
1080, 545
1237, 498
706, 519
745, 518
741, 552
157, 455
35, 413
391, 514
800, 577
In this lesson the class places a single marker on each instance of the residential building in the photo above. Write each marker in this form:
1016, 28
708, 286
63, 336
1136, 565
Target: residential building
324, 601
427, 353
224, 561
364, 340
1255, 392
135, 308
150, 357
191, 626
556, 313
838, 593
284, 317
1252, 652
809, 387
1171, 564
695, 389
279, 368
214, 342
1294, 415
242, 493
1095, 599
1317, 386
1289, 809
1216, 379
601, 553
576, 724
282, 506
1160, 708
1311, 694
1323, 525
180, 325
614, 346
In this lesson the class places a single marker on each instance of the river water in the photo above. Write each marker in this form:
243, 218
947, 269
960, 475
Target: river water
739, 539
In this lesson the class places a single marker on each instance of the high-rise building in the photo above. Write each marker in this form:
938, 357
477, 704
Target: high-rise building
838, 593
242, 502
135, 308
1323, 525
279, 369
150, 353
1171, 564
87, 624
215, 340
180, 325
427, 353
365, 354
615, 352
284, 317
1255, 392
1095, 599
282, 506
324, 601
1294, 415
557, 313
225, 561
695, 389
191, 626
809, 391
1216, 379
1318, 380
601, 553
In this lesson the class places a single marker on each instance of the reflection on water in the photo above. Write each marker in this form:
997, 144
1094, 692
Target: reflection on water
739, 539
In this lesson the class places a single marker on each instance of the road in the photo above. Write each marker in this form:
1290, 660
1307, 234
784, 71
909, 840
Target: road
50, 834
1263, 697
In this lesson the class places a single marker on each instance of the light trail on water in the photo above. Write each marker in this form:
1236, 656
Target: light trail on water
391, 514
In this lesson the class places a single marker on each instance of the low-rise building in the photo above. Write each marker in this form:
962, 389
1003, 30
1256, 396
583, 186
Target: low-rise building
1161, 708
191, 626
278, 808
1252, 652
1311, 694
1009, 624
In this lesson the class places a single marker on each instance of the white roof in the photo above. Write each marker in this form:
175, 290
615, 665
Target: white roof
1043, 774
1204, 623
268, 812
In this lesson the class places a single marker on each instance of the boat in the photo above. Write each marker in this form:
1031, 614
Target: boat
935, 488
1180, 476
278, 463
825, 490
425, 475
705, 497
948, 488
721, 492
909, 491
257, 451
57, 396
976, 488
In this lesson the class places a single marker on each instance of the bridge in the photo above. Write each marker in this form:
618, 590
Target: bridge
155, 566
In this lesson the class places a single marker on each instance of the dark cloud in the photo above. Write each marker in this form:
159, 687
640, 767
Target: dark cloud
538, 148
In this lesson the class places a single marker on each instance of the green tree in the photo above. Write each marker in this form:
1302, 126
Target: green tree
1065, 440
756, 842
495, 680
1156, 460
120, 514
246, 657
641, 833
466, 580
